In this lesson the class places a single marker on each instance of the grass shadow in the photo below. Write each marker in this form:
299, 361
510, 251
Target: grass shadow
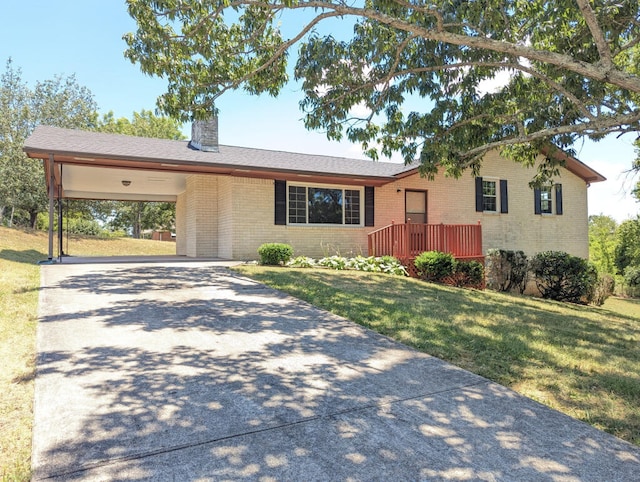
29, 256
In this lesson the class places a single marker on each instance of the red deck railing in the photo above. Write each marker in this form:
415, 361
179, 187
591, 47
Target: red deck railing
407, 241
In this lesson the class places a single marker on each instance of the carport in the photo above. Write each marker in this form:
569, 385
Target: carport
79, 170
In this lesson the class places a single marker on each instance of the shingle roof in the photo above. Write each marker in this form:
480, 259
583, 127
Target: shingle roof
77, 143
59, 141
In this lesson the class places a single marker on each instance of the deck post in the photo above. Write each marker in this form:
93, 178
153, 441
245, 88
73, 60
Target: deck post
407, 239
393, 238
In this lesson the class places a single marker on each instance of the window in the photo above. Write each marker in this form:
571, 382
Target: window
297, 204
351, 206
324, 205
544, 199
489, 196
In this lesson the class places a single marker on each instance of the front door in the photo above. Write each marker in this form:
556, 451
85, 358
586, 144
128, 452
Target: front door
415, 206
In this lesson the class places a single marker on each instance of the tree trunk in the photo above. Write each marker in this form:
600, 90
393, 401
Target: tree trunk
137, 221
1, 214
33, 219
13, 209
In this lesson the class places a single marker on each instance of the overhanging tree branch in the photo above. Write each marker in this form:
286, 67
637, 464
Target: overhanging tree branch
574, 66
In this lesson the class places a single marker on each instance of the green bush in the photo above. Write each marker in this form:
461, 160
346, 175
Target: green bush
468, 273
275, 253
391, 265
563, 277
506, 270
333, 262
83, 226
435, 265
302, 262
383, 264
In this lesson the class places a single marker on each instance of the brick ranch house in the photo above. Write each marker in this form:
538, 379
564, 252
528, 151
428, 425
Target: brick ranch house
230, 200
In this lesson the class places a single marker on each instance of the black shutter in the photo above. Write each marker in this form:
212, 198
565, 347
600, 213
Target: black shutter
558, 198
479, 196
281, 202
537, 201
504, 197
369, 210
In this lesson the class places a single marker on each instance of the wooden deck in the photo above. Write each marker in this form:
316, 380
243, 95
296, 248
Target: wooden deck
407, 241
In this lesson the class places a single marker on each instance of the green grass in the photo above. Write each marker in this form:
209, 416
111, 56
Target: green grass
19, 284
581, 360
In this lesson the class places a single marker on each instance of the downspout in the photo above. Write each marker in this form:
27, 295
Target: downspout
52, 182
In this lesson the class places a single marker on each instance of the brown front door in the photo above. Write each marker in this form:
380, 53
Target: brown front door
415, 203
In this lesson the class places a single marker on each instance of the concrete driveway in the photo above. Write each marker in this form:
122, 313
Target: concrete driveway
189, 372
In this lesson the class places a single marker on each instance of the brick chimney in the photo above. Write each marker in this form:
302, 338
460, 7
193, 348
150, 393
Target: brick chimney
204, 135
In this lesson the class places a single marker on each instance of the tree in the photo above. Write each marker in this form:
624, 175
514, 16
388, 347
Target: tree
144, 124
15, 125
573, 70
133, 215
60, 102
602, 242
627, 252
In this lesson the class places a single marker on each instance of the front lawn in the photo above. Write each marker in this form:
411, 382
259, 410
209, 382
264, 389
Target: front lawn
581, 360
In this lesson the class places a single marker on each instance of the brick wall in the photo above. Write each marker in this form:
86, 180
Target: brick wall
452, 201
253, 225
226, 199
202, 216
181, 224
231, 217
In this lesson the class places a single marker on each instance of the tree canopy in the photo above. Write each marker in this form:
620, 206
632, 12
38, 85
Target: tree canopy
60, 102
142, 124
412, 75
603, 242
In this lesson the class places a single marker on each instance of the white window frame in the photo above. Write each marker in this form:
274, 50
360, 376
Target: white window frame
551, 190
496, 181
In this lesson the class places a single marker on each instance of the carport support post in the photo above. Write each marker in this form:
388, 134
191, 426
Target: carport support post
51, 204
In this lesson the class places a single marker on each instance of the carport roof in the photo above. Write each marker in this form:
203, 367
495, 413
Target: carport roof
69, 145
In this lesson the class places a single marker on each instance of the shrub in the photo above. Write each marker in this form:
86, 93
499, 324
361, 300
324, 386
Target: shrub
563, 277
602, 289
333, 262
83, 226
383, 264
506, 270
391, 265
275, 253
435, 265
468, 273
360, 263
302, 262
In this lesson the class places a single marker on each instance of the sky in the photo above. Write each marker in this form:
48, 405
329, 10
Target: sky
45, 38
